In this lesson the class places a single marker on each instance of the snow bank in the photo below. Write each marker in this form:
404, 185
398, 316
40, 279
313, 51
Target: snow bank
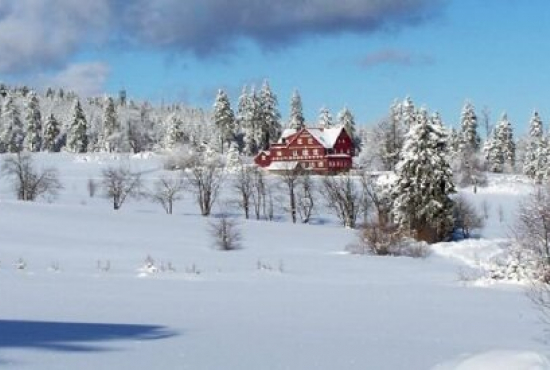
500, 360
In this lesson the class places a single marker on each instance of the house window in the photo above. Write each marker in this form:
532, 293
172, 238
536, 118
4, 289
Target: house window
263, 157
305, 152
279, 154
294, 153
315, 151
310, 141
321, 164
299, 141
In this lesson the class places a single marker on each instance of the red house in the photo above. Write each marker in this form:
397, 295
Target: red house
322, 150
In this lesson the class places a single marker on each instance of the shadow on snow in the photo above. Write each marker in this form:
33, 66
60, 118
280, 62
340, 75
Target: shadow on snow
73, 337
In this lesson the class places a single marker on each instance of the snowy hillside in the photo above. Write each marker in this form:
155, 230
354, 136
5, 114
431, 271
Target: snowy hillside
86, 287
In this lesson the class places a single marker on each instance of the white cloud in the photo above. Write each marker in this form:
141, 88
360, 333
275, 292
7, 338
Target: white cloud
86, 79
38, 34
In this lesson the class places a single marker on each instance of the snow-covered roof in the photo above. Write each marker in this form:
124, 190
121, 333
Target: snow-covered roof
327, 137
288, 132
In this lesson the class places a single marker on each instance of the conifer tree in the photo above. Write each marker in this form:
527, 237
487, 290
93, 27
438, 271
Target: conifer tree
506, 140
224, 119
500, 150
52, 133
174, 132
252, 134
33, 118
536, 156
325, 118
347, 121
270, 126
11, 133
468, 125
391, 134
77, 137
296, 119
408, 112
111, 135
421, 194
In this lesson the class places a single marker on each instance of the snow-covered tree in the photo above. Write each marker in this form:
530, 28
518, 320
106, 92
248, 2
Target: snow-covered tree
224, 119
408, 112
421, 194
33, 119
347, 121
468, 126
11, 130
325, 118
391, 134
77, 137
500, 150
174, 132
251, 125
506, 141
270, 125
111, 135
296, 119
52, 131
537, 152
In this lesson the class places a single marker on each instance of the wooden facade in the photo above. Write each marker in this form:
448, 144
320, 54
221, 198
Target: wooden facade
315, 149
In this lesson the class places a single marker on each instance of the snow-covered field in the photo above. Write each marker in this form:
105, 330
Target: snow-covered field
290, 299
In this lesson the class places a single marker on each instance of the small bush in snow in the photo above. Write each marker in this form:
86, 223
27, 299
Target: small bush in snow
388, 240
225, 234
466, 216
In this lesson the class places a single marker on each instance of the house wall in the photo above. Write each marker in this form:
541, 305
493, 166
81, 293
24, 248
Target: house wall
303, 147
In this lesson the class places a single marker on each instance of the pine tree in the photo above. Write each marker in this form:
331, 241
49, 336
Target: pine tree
174, 132
325, 118
347, 121
11, 133
33, 118
52, 140
408, 112
391, 134
111, 135
468, 125
536, 156
224, 119
493, 153
77, 137
500, 150
253, 121
421, 194
506, 140
270, 125
296, 119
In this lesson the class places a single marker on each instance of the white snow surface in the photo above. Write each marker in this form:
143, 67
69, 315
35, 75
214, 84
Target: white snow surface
500, 360
77, 293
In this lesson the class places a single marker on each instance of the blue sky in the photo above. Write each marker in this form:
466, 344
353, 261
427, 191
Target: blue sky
359, 53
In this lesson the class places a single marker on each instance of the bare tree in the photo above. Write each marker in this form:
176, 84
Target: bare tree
374, 196
289, 178
259, 192
344, 197
244, 185
467, 217
167, 191
225, 233
205, 176
119, 184
30, 183
532, 228
305, 197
